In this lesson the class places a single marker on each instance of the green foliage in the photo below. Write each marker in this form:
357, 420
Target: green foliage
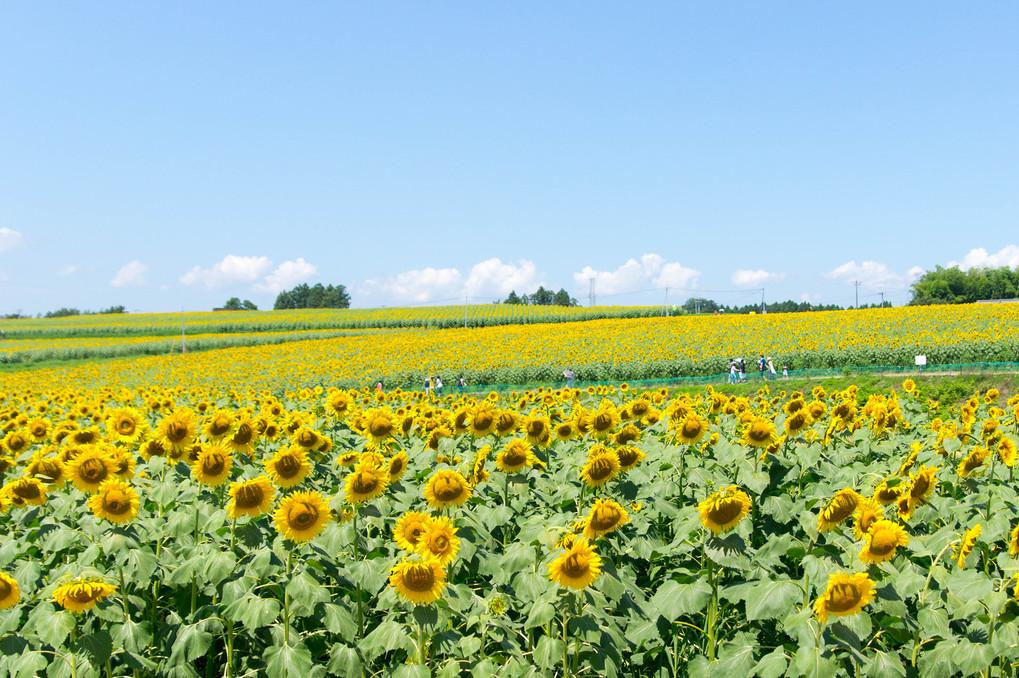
953, 286
317, 296
542, 297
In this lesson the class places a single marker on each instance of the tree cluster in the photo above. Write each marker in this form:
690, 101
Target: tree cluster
542, 297
235, 304
65, 312
317, 296
701, 305
953, 286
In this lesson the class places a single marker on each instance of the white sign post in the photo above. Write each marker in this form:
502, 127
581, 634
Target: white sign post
920, 361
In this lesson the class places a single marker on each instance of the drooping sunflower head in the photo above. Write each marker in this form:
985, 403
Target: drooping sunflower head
723, 510
881, 540
447, 488
577, 567
91, 466
516, 455
601, 467
973, 462
397, 466
25, 492
10, 593
1006, 451
213, 466
924, 480
250, 498
365, 482
966, 545
287, 467
629, 457
841, 506
302, 516
116, 501
438, 540
846, 594
605, 516
80, 595
418, 580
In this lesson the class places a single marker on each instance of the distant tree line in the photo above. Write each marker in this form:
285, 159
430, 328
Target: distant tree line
317, 296
65, 312
701, 305
541, 297
235, 304
953, 286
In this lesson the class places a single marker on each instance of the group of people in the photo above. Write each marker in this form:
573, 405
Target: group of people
738, 369
433, 385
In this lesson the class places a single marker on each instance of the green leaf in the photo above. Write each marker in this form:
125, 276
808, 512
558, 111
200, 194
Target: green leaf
137, 662
253, 612
972, 658
192, 642
219, 566
132, 636
27, 665
885, 665
549, 651
97, 648
411, 671
287, 661
541, 613
939, 661
52, 627
736, 658
934, 622
810, 663
771, 665
729, 551
338, 620
370, 574
771, 599
344, 662
969, 585
387, 636
305, 592
674, 599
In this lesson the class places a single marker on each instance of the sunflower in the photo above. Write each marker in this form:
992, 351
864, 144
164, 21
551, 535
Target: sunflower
629, 457
90, 468
516, 455
309, 438
690, 429
724, 509
438, 540
797, 421
79, 595
1007, 452
601, 467
1013, 542
16, 442
972, 462
124, 464
10, 594
604, 419
365, 482
481, 419
966, 545
868, 512
888, 491
243, 438
250, 498
506, 422
116, 501
38, 428
447, 488
845, 594
151, 448
908, 385
564, 430
126, 425
348, 459
49, 470
25, 492
842, 505
409, 528
605, 516
882, 540
418, 581
577, 567
397, 466
213, 466
924, 480
537, 428
219, 425
302, 516
177, 431
759, 432
288, 467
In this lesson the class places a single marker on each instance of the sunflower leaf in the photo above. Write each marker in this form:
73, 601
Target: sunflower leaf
344, 661
885, 665
287, 661
387, 636
549, 651
771, 665
192, 642
97, 648
541, 613
770, 599
675, 599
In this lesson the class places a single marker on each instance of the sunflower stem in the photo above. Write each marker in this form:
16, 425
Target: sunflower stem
123, 593
566, 643
286, 599
233, 532
357, 584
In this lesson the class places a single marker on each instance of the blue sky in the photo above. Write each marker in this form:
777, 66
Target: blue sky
173, 155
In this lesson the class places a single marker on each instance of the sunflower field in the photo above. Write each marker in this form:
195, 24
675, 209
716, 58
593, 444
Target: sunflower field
183, 531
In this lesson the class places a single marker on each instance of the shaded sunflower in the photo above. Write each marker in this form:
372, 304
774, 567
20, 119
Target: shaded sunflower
250, 498
868, 512
10, 593
841, 506
797, 421
438, 540
177, 431
629, 457
213, 466
882, 540
408, 529
80, 595
506, 422
972, 462
243, 439
420, 581
49, 470
966, 545
25, 492
287, 467
516, 455
302, 516
723, 510
365, 482
888, 491
219, 425
604, 517
397, 466
577, 567
924, 480
447, 488
1013, 542
601, 468
759, 432
846, 594
90, 468
116, 501
1007, 452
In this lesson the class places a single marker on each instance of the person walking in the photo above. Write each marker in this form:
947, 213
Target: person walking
568, 373
742, 370
438, 387
460, 383
771, 369
762, 366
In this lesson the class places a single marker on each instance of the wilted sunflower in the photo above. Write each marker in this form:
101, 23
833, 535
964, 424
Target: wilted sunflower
604, 517
888, 491
10, 593
721, 511
759, 432
250, 498
90, 468
868, 512
49, 470
881, 541
408, 529
1007, 452
365, 482
177, 431
419, 581
842, 505
438, 540
629, 457
25, 491
601, 468
288, 467
447, 488
972, 462
924, 480
397, 466
79, 595
213, 466
302, 516
516, 455
577, 567
966, 545
116, 501
845, 594
126, 425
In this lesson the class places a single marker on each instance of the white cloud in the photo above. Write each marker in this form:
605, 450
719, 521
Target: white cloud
286, 275
492, 278
807, 297
487, 280
979, 258
746, 278
70, 269
869, 273
914, 274
233, 269
9, 239
633, 275
130, 275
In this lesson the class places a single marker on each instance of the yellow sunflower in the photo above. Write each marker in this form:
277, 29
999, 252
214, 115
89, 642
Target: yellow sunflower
577, 567
1013, 542
601, 468
302, 516
177, 431
506, 422
409, 528
604, 420
973, 462
419, 581
536, 428
1007, 452
126, 425
307, 437
250, 498
888, 491
365, 482
797, 421
447, 488
868, 512
116, 501
38, 428
604, 517
480, 420
846, 594
924, 480
629, 457
966, 545
721, 511
397, 466
690, 429
516, 455
49, 470
213, 466
288, 467
90, 468
759, 432
10, 593
842, 505
438, 540
25, 492
219, 425
882, 540
243, 439
16, 442
79, 595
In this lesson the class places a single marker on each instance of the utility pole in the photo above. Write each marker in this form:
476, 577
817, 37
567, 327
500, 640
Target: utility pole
764, 309
465, 310
856, 283
882, 299
665, 306
590, 294
183, 348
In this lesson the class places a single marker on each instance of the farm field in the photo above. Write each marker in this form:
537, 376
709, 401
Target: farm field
188, 531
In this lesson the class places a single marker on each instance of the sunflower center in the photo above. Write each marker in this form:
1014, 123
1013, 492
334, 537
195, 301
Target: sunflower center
16, 443
177, 432
39, 430
843, 597
691, 429
126, 426
48, 471
395, 466
302, 516
307, 439
536, 428
506, 422
413, 533
248, 497
759, 432
93, 471
27, 491
448, 489
243, 435
602, 422
213, 464
883, 542
600, 468
116, 503
365, 483
920, 486
288, 466
627, 455
419, 577
483, 420
575, 566
725, 510
439, 543
605, 518
639, 408
514, 457
83, 596
380, 427
5, 589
